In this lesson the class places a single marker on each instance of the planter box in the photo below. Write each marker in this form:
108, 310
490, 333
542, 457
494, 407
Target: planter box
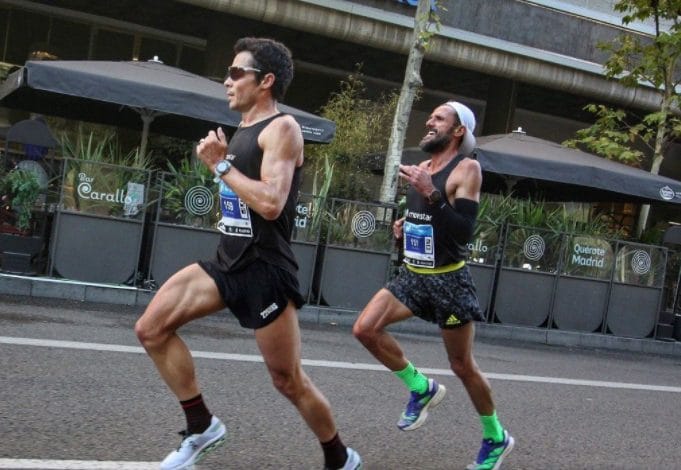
19, 252
176, 246
350, 278
95, 249
580, 304
523, 297
306, 254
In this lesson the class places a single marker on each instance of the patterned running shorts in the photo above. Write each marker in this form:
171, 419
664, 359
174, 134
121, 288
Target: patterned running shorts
448, 299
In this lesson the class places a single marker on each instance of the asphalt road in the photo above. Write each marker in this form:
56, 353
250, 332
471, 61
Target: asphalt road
78, 392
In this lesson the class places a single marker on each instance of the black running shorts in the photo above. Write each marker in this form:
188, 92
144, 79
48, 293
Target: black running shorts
448, 299
256, 294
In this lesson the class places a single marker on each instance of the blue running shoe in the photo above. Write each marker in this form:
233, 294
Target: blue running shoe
419, 403
492, 454
195, 446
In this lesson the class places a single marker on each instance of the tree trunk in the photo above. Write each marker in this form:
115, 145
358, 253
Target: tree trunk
412, 82
658, 157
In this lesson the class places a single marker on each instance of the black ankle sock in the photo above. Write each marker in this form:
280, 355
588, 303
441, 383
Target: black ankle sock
198, 416
335, 453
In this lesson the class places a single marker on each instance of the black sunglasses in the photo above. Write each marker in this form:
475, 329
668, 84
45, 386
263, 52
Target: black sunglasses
235, 72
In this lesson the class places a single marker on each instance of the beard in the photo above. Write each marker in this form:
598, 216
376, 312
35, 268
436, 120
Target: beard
438, 142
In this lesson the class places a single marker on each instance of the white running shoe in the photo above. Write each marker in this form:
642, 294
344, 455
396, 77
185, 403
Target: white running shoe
195, 446
353, 462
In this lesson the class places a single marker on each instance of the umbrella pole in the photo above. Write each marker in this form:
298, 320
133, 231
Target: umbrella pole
147, 118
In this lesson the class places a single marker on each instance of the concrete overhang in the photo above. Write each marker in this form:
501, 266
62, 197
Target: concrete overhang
391, 31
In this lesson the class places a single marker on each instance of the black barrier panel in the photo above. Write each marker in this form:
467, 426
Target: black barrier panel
95, 249
482, 260
483, 278
97, 234
177, 246
306, 256
184, 229
305, 239
357, 256
583, 286
636, 295
580, 304
527, 279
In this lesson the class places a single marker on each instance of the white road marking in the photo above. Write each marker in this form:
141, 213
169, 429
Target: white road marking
334, 364
35, 464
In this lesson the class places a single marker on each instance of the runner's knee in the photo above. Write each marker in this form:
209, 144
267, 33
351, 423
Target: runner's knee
287, 384
464, 368
365, 331
150, 333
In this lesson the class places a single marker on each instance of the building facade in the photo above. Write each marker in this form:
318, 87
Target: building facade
517, 63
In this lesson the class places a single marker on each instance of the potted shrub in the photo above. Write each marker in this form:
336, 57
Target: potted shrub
19, 190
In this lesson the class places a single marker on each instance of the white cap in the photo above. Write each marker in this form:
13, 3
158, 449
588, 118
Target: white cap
467, 120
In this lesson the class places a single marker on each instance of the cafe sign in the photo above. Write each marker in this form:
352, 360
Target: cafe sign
589, 256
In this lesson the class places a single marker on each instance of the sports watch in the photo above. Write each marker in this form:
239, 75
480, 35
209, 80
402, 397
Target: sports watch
434, 197
222, 168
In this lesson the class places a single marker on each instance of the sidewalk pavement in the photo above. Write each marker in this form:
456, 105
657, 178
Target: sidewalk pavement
125, 295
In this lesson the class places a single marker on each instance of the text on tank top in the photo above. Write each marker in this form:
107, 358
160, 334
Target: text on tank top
425, 243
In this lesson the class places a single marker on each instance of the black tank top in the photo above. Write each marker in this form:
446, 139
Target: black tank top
246, 235
425, 244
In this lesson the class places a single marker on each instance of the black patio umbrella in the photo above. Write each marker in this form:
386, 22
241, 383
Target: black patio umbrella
171, 101
539, 168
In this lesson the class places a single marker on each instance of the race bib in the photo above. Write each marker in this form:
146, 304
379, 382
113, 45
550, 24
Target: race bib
236, 218
419, 249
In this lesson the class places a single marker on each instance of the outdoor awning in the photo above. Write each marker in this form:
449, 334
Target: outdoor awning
173, 101
539, 168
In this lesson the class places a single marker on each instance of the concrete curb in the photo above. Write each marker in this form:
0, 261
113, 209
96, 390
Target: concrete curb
125, 295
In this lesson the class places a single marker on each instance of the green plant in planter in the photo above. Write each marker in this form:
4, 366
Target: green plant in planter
100, 166
353, 224
551, 220
190, 196
320, 189
20, 189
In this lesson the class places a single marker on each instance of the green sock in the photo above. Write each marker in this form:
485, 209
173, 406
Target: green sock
413, 379
491, 428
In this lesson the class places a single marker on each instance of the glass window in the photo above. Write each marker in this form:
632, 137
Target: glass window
641, 265
27, 32
112, 45
165, 51
532, 249
68, 40
588, 256
483, 248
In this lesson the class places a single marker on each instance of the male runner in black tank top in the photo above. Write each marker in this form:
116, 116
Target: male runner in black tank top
434, 283
254, 273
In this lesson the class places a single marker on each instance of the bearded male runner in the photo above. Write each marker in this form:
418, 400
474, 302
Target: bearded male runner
434, 283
